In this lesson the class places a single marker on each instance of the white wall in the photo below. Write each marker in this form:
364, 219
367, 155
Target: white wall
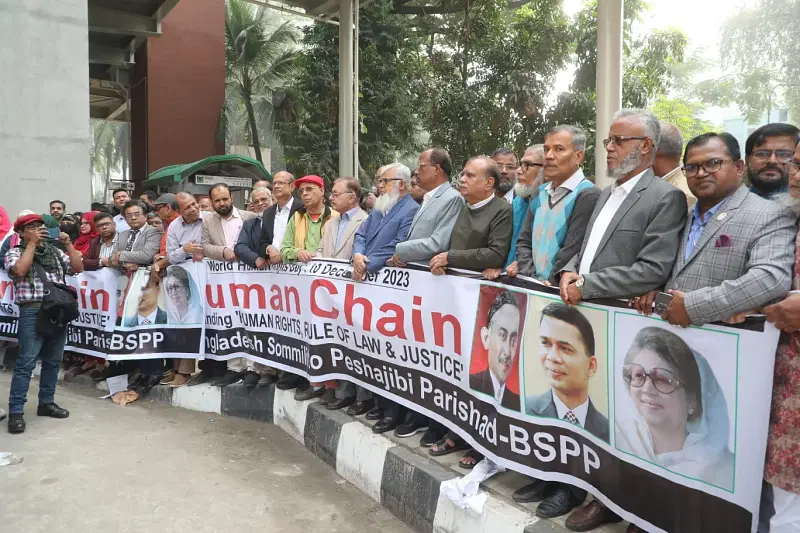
44, 105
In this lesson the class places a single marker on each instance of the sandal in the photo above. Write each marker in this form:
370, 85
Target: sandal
445, 447
472, 455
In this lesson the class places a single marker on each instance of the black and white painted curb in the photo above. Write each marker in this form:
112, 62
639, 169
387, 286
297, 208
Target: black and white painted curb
405, 482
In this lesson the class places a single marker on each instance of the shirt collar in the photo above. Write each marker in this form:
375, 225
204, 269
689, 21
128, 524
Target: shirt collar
348, 215
287, 207
580, 412
709, 214
669, 174
509, 196
234, 214
481, 203
199, 219
428, 195
571, 184
151, 317
498, 388
630, 184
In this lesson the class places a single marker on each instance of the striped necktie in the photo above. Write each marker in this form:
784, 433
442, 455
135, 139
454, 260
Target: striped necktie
570, 417
131, 240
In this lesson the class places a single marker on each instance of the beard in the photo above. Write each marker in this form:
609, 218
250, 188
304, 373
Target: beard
626, 166
386, 201
789, 202
768, 185
225, 210
504, 186
523, 190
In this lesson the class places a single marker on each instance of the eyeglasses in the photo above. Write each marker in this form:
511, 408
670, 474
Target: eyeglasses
507, 167
103, 225
338, 194
793, 167
34, 227
525, 165
281, 183
712, 165
428, 165
177, 287
385, 181
309, 190
136, 214
664, 381
780, 155
619, 139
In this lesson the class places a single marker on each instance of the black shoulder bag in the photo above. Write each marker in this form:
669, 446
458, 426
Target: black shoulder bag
59, 306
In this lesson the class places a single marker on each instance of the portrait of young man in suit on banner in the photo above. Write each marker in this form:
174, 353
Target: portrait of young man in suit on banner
494, 366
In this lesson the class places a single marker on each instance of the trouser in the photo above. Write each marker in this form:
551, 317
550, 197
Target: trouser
215, 368
237, 364
184, 366
260, 369
442, 432
391, 409
31, 347
151, 367
347, 390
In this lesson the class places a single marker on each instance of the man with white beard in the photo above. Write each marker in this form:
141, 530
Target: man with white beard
387, 224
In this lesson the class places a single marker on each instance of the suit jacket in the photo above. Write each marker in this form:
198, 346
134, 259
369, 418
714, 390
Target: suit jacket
379, 235
344, 250
214, 236
638, 248
144, 249
432, 225
482, 382
268, 226
91, 261
748, 268
246, 248
544, 406
677, 179
133, 321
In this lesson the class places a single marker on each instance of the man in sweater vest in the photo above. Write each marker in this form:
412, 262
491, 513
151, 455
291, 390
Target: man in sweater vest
480, 240
557, 220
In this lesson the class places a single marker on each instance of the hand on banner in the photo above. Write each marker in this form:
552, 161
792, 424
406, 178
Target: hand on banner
359, 267
737, 319
676, 310
228, 255
644, 303
274, 255
569, 292
513, 269
438, 264
114, 261
193, 248
491, 273
304, 256
261, 262
785, 314
394, 261
131, 267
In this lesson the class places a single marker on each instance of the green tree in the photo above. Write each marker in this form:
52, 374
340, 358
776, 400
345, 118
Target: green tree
684, 114
259, 55
390, 70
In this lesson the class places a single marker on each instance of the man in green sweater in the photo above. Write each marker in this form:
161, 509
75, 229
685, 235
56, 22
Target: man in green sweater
482, 235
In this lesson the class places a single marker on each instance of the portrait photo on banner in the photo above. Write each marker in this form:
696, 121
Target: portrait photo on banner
675, 397
144, 303
494, 360
183, 299
565, 364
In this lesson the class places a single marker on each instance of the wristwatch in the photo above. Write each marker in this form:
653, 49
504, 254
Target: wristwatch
579, 284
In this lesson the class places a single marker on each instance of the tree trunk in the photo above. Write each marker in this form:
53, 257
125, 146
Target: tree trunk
251, 118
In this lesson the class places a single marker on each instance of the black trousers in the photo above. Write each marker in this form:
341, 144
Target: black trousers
215, 368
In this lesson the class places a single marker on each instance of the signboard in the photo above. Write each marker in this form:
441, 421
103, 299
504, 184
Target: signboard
202, 179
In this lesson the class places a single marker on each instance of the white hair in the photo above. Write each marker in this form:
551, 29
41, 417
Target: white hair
578, 135
650, 124
401, 172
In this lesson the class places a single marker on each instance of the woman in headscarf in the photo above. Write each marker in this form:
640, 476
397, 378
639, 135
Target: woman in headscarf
680, 416
184, 305
87, 232
69, 226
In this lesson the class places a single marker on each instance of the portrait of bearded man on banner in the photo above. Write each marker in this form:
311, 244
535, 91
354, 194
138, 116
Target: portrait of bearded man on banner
494, 367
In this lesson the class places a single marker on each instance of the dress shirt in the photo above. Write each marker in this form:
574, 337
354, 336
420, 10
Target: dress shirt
598, 230
509, 196
179, 234
231, 227
428, 195
562, 190
121, 223
580, 412
151, 318
481, 203
344, 220
281, 221
698, 225
498, 389
107, 250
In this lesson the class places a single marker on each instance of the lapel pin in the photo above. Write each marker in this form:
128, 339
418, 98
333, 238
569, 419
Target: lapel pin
722, 216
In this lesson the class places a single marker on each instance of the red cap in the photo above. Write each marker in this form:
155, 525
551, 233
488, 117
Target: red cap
316, 180
24, 220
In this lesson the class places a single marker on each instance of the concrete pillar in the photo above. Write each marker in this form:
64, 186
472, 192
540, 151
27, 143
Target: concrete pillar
609, 78
346, 167
44, 96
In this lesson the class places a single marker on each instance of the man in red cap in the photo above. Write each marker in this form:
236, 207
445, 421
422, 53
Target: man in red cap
300, 242
36, 250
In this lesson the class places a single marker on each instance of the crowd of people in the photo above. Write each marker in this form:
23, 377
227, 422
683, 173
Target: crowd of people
710, 226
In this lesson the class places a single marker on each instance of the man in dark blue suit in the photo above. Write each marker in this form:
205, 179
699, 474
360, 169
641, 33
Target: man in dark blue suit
375, 241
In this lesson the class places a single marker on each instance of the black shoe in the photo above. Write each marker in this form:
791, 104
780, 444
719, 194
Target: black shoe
51, 410
101, 375
376, 413
561, 502
288, 381
229, 378
203, 377
267, 380
16, 424
147, 384
327, 397
385, 424
341, 403
359, 408
410, 429
138, 382
534, 492
307, 394
251, 379
430, 438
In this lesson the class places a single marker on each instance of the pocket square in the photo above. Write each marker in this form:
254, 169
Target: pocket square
723, 241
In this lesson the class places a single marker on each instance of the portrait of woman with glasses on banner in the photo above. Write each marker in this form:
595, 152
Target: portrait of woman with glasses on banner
183, 300
672, 410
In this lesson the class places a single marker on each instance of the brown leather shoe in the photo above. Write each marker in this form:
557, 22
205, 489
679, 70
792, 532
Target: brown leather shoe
179, 380
590, 516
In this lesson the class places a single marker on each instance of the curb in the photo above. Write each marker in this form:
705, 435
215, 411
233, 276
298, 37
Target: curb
403, 481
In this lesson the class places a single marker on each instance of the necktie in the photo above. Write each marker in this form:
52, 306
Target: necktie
147, 322
570, 416
131, 239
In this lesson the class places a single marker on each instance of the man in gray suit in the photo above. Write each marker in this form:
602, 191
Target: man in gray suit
138, 245
737, 250
631, 244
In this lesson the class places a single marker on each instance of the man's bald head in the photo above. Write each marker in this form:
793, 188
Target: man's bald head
282, 187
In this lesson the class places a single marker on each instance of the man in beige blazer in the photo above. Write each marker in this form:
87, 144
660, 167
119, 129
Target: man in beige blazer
338, 236
668, 164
